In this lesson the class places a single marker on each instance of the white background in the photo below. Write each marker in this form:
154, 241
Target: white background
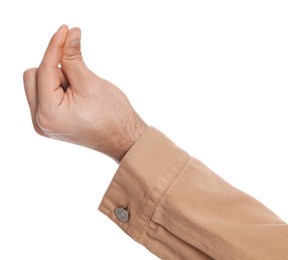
212, 75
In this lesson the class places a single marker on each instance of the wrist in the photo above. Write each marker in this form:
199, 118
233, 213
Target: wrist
128, 137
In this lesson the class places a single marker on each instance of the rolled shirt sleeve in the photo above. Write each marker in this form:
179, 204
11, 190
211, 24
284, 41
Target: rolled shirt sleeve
178, 208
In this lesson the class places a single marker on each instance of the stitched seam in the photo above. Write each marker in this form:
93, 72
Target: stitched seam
160, 196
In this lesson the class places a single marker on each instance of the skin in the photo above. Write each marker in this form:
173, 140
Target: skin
72, 104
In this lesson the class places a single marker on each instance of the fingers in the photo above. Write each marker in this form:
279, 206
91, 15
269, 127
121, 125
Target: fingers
53, 52
30, 86
48, 79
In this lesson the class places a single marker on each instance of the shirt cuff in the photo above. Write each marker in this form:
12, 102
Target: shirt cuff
143, 176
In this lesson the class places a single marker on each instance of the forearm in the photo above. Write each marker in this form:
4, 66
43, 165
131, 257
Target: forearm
180, 209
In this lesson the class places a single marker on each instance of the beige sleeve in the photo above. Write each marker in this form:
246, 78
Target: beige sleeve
179, 209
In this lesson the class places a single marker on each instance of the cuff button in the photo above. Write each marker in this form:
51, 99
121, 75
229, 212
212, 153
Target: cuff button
122, 215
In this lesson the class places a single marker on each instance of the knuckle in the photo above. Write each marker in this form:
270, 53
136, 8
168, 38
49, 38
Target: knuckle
38, 129
29, 74
44, 120
72, 55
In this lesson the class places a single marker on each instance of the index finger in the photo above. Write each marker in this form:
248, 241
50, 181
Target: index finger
48, 79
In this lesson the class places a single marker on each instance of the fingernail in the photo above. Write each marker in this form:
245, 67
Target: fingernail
74, 38
75, 43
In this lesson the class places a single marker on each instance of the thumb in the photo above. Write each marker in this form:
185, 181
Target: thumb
72, 62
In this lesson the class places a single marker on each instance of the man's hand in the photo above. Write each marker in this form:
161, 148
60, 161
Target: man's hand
72, 104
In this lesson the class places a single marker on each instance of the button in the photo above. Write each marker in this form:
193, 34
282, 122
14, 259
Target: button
121, 214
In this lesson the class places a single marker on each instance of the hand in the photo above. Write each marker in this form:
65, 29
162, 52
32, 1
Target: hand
72, 104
